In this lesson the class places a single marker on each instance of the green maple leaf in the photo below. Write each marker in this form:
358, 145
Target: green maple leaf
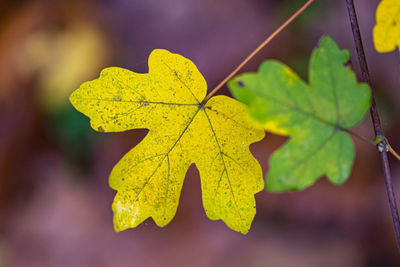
183, 130
315, 116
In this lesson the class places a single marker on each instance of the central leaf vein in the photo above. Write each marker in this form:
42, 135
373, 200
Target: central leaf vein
223, 161
166, 155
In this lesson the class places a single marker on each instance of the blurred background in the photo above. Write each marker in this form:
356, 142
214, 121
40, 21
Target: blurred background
55, 203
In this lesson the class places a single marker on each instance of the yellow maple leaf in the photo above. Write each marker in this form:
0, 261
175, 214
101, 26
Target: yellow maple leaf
183, 130
387, 29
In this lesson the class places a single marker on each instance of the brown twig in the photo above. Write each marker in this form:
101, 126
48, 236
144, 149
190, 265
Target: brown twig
261, 46
375, 118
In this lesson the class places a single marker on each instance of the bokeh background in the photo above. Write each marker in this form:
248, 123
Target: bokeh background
55, 203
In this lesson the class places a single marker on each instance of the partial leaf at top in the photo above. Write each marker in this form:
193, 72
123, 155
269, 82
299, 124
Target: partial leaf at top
387, 29
314, 115
183, 130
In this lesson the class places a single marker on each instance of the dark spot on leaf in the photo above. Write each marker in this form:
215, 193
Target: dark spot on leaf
348, 64
240, 83
100, 129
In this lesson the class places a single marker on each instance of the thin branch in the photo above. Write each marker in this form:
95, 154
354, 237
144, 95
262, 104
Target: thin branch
375, 118
261, 46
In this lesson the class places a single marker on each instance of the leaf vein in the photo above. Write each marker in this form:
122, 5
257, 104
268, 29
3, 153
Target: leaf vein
184, 84
139, 102
226, 170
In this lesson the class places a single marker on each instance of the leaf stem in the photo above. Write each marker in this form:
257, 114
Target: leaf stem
261, 46
375, 119
374, 142
365, 139
394, 153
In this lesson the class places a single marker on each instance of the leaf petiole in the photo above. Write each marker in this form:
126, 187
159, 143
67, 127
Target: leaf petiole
383, 144
380, 142
365, 139
394, 153
261, 46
